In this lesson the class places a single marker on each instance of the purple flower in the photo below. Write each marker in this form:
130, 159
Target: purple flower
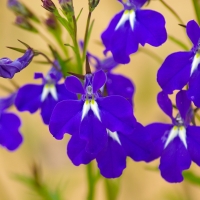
116, 84
180, 68
93, 114
18, 8
49, 5
178, 143
8, 68
112, 159
31, 97
132, 27
10, 137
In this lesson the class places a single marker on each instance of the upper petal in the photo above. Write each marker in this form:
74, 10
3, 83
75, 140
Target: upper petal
174, 73
193, 32
73, 84
99, 80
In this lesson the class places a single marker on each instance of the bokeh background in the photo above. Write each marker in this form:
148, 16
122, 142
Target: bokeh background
137, 181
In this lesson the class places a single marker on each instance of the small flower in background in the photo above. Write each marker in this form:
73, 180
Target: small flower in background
48, 5
31, 97
178, 143
10, 137
9, 68
93, 114
180, 68
132, 27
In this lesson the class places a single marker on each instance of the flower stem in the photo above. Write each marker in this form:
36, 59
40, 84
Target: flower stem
91, 182
86, 36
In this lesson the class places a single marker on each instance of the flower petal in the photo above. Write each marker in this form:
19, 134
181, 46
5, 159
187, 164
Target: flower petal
112, 160
120, 85
175, 158
29, 98
66, 118
116, 114
93, 131
175, 71
183, 104
193, 32
76, 151
99, 80
165, 103
73, 84
10, 137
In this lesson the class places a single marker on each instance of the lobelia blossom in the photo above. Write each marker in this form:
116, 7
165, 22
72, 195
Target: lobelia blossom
92, 115
31, 97
131, 27
116, 84
178, 143
9, 68
112, 159
181, 68
10, 137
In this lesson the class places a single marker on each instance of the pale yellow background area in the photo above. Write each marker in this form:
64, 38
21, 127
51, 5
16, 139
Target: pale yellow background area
137, 183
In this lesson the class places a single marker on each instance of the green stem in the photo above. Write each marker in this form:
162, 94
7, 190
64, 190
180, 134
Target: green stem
86, 37
172, 11
178, 42
91, 182
112, 188
196, 4
62, 46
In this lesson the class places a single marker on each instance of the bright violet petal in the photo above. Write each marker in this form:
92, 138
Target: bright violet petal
138, 3
175, 71
38, 76
7, 102
73, 84
29, 98
165, 103
93, 131
10, 137
194, 88
112, 160
136, 144
175, 158
76, 151
99, 80
66, 118
183, 103
150, 28
158, 133
120, 85
193, 141
193, 32
116, 114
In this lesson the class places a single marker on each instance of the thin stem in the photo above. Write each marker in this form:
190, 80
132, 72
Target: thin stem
6, 89
172, 11
91, 182
14, 84
86, 36
62, 45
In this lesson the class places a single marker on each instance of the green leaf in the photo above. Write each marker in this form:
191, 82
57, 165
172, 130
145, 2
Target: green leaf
17, 49
196, 4
79, 14
191, 177
178, 42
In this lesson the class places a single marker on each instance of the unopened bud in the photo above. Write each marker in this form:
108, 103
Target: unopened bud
93, 4
67, 6
51, 22
22, 22
48, 5
18, 8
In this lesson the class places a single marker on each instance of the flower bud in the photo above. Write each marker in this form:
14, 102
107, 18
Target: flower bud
51, 22
22, 22
93, 4
67, 6
18, 8
48, 5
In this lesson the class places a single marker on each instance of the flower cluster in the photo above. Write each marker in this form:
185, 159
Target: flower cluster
96, 109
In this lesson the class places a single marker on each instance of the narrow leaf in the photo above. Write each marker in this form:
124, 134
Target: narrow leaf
178, 42
191, 177
79, 14
196, 4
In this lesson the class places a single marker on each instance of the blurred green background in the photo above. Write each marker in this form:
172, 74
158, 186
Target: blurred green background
137, 182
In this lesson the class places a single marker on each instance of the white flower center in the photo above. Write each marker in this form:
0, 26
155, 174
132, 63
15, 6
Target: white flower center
174, 132
49, 88
127, 15
195, 63
114, 136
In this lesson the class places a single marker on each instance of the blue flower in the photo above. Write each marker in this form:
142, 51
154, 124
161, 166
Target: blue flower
178, 143
112, 159
31, 97
180, 68
8, 68
10, 137
132, 27
93, 114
